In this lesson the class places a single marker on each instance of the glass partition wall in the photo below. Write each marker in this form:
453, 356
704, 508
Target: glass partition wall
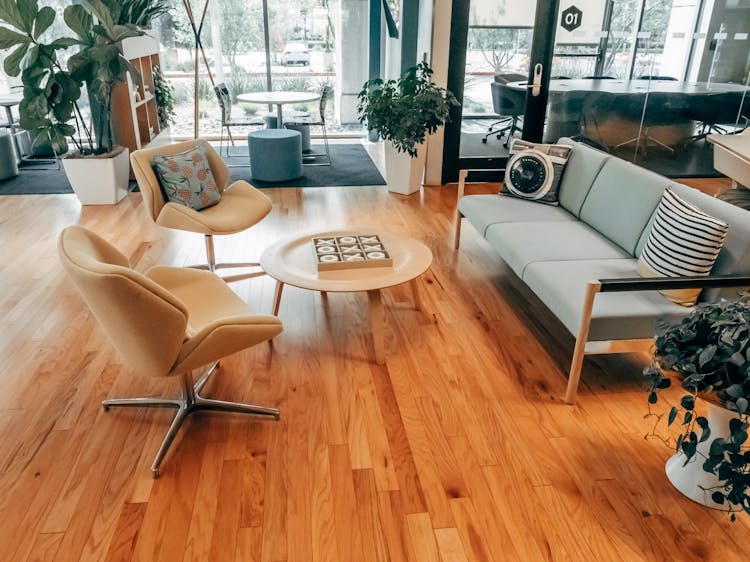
646, 80
304, 42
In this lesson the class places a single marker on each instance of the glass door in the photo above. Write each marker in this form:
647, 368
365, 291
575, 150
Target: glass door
493, 43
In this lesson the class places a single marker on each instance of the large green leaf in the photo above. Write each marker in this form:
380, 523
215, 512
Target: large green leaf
79, 20
33, 107
79, 66
10, 38
70, 87
101, 12
64, 43
121, 32
28, 10
13, 60
44, 19
10, 13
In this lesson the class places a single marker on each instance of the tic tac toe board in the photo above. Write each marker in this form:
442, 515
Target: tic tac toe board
350, 252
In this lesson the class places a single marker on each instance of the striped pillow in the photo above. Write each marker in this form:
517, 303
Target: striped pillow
683, 241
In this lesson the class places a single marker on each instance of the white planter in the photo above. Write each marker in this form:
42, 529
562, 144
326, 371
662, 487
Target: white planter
141, 46
402, 172
691, 479
99, 181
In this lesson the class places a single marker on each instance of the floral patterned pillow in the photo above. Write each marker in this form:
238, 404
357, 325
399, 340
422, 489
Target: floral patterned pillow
186, 178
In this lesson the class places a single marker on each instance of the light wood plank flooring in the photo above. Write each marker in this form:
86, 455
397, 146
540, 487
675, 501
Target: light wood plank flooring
459, 449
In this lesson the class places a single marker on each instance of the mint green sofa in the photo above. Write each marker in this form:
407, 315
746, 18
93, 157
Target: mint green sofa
580, 258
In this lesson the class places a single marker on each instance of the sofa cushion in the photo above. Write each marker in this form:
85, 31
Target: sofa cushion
484, 210
621, 202
683, 242
534, 171
561, 285
584, 165
523, 243
186, 178
734, 258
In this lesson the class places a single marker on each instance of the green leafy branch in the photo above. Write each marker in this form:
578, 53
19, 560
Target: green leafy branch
50, 92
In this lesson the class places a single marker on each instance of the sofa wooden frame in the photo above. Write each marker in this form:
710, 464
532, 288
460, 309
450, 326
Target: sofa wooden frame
585, 347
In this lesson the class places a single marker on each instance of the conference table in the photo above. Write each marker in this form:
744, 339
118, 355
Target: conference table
570, 100
279, 99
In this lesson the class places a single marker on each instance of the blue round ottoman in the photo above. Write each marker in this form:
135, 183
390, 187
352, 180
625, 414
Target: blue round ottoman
8, 165
275, 154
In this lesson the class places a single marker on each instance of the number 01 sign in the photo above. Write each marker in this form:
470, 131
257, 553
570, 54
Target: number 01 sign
580, 22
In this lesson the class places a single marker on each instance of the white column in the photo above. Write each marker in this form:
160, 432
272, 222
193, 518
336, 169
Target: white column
352, 33
441, 31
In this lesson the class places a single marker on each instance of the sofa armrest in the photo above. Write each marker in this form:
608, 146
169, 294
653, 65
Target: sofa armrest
668, 283
463, 174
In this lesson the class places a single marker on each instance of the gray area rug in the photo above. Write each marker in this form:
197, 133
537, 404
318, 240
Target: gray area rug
351, 166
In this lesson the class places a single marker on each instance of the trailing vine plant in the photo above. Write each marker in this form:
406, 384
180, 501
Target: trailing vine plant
709, 350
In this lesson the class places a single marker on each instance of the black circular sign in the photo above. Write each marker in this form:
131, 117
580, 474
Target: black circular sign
528, 174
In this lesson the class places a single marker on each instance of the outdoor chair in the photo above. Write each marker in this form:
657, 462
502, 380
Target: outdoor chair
316, 121
227, 121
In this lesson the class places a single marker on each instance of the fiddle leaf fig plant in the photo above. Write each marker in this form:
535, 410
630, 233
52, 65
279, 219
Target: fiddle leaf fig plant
710, 351
406, 110
51, 92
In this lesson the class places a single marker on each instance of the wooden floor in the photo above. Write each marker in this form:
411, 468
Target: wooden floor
458, 449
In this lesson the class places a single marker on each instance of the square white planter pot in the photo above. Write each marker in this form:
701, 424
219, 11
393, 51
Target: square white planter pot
402, 172
99, 181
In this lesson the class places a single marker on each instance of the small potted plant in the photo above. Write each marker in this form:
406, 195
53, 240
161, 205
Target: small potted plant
710, 353
403, 112
97, 170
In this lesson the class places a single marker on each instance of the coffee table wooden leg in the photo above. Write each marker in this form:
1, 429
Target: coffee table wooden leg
277, 297
377, 325
415, 294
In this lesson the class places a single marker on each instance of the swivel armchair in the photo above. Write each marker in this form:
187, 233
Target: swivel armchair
166, 323
241, 205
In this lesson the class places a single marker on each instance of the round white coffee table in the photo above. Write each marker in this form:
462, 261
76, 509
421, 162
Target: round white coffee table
292, 262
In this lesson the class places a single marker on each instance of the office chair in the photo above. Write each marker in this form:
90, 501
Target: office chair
165, 323
511, 105
241, 205
227, 121
319, 121
718, 113
662, 109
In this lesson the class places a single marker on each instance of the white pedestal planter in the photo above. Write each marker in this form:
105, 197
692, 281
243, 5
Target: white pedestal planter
689, 479
99, 181
402, 172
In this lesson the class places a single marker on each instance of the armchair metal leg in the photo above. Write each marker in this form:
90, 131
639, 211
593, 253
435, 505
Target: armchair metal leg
191, 402
213, 266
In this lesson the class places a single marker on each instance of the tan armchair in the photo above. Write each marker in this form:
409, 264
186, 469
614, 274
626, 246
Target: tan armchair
165, 323
241, 205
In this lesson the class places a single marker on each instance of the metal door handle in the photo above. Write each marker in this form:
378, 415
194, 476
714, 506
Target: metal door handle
536, 83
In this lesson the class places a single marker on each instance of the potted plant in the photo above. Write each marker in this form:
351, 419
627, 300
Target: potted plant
403, 112
710, 353
97, 170
165, 98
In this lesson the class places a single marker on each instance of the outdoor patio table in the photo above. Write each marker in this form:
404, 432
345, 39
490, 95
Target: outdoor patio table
279, 99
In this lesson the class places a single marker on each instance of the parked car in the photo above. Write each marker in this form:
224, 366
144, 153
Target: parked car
295, 53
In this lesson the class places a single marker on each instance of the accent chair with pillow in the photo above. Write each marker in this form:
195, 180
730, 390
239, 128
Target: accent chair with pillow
619, 253
167, 322
185, 186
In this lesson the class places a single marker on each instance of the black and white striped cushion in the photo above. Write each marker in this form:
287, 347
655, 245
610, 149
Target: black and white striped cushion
683, 241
